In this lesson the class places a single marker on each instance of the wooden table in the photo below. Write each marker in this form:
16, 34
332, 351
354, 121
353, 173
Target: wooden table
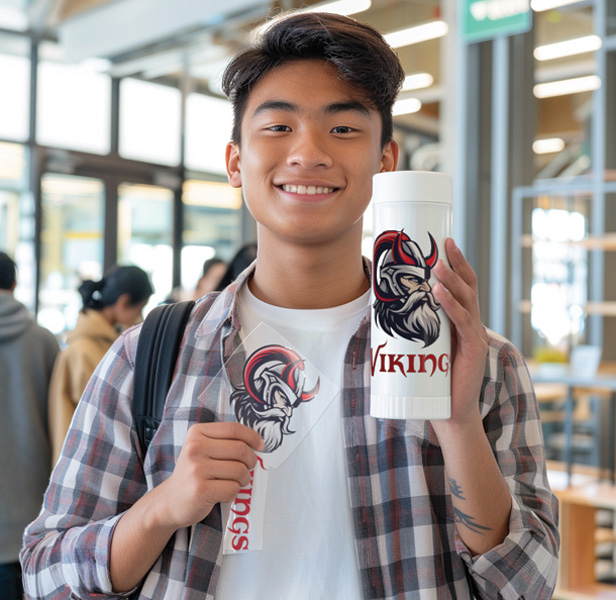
576, 575
572, 381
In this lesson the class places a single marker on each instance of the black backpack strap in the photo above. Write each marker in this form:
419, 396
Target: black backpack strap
157, 352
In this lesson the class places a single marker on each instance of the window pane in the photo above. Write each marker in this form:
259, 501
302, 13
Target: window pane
212, 226
14, 97
13, 17
74, 108
611, 18
17, 219
150, 122
560, 272
563, 94
72, 246
145, 232
208, 129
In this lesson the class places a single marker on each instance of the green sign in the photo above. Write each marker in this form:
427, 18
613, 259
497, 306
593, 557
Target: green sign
487, 19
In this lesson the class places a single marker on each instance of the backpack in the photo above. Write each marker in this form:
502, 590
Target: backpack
157, 353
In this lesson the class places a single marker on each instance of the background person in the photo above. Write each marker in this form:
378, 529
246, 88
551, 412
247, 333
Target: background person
213, 270
27, 355
244, 257
116, 300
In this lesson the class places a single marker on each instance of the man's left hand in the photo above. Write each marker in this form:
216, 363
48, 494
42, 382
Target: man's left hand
456, 291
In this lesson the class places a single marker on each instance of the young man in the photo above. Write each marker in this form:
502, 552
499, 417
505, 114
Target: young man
27, 356
325, 501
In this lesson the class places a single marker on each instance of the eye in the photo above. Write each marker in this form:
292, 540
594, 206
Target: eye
409, 280
279, 128
342, 129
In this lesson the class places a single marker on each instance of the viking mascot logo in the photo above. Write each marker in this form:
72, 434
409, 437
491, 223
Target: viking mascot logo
404, 303
273, 387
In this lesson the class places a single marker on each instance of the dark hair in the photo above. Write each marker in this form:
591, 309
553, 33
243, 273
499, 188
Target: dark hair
8, 272
117, 281
359, 52
243, 257
209, 263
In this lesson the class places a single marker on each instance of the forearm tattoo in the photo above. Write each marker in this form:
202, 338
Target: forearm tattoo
461, 517
455, 489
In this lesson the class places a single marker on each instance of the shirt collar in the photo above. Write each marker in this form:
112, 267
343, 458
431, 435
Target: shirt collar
224, 307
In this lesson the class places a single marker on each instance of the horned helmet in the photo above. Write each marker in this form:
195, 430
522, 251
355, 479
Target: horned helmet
399, 256
275, 368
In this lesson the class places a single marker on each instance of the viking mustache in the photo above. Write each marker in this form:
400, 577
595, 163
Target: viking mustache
272, 431
410, 317
415, 299
270, 423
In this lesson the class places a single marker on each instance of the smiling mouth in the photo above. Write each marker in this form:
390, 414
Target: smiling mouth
310, 190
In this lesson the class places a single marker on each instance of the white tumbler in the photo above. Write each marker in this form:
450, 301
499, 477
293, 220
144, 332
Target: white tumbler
410, 334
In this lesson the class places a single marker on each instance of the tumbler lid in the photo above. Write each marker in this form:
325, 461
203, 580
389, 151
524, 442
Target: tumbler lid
411, 186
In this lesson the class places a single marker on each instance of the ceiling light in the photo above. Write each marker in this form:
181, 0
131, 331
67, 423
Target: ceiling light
340, 7
419, 33
417, 81
13, 19
548, 145
540, 5
406, 106
567, 86
588, 43
98, 65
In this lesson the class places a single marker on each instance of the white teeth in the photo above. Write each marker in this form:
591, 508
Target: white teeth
310, 190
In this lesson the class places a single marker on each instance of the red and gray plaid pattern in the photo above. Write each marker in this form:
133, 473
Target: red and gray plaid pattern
406, 537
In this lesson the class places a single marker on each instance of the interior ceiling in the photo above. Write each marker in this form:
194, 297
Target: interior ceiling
165, 41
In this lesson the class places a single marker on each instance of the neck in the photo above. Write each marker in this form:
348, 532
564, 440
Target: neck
108, 314
309, 277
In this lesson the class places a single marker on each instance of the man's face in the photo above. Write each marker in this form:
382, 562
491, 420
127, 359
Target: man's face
309, 148
413, 284
280, 402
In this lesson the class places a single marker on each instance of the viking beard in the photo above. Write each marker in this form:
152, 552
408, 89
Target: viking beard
410, 317
270, 423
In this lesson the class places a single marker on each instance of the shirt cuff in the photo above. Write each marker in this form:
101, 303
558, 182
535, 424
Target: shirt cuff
521, 563
92, 570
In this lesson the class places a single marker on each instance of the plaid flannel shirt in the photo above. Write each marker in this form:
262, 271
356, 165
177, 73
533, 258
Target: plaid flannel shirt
406, 538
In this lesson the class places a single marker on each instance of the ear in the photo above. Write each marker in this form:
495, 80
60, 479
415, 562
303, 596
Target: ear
232, 159
389, 158
124, 301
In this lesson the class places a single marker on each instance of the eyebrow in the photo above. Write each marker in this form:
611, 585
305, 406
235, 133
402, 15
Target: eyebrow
334, 108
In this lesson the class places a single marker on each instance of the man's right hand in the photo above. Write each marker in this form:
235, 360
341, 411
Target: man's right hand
214, 464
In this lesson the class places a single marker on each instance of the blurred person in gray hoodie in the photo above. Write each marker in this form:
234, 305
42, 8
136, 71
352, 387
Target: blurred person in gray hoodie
27, 355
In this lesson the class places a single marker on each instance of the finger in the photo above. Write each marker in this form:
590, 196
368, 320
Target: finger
459, 264
231, 431
227, 470
468, 327
231, 450
221, 490
453, 283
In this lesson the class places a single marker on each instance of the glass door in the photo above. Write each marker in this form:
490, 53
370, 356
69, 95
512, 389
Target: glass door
17, 219
72, 244
145, 235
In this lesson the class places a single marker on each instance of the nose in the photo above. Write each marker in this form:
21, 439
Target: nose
425, 286
309, 150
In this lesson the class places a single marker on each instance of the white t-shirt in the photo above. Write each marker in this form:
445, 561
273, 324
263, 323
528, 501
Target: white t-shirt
308, 543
